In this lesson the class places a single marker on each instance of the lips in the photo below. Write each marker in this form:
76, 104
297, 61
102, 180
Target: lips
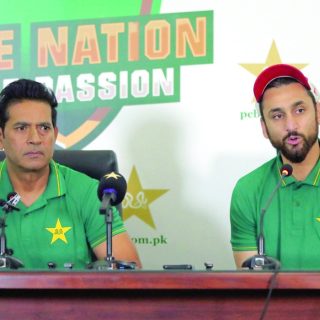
293, 140
33, 154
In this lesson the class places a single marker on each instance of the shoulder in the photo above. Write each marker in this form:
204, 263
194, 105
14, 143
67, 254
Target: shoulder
258, 177
249, 193
75, 180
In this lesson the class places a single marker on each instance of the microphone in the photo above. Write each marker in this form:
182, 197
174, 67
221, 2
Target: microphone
13, 199
112, 189
261, 261
6, 259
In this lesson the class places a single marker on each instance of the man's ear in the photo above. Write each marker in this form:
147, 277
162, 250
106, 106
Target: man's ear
318, 111
56, 131
264, 128
1, 138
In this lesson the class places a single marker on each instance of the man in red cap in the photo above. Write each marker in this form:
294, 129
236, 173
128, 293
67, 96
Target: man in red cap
290, 115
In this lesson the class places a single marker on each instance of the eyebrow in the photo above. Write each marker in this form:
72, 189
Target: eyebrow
28, 123
280, 109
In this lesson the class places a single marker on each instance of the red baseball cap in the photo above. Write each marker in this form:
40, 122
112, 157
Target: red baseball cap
274, 72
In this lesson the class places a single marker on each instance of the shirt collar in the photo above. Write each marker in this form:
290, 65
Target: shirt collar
55, 188
312, 179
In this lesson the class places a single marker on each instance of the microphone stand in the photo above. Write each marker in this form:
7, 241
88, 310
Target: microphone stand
109, 263
6, 259
261, 261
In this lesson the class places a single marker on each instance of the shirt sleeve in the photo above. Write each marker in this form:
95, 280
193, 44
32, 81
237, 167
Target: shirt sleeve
243, 220
95, 224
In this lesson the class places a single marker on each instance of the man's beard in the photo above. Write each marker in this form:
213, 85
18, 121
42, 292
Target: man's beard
292, 154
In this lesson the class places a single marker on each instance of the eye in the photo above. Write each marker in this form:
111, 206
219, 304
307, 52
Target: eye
300, 110
45, 127
21, 128
277, 116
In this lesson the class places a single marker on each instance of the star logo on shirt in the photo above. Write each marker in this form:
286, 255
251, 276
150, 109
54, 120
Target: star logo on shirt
58, 232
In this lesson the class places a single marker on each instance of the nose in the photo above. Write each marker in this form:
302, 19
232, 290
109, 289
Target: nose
291, 123
34, 137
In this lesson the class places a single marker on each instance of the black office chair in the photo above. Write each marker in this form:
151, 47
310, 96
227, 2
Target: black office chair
94, 163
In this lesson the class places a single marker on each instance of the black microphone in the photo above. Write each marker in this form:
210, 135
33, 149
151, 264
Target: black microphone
13, 199
111, 191
112, 188
261, 261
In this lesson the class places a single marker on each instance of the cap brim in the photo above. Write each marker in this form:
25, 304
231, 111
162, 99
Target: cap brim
274, 72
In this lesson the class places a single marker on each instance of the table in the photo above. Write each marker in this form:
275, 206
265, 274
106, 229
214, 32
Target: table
157, 295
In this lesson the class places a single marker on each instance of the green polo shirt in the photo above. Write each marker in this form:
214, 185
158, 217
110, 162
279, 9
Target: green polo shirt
61, 225
291, 223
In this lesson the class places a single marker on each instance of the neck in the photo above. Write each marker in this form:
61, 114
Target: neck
29, 184
301, 170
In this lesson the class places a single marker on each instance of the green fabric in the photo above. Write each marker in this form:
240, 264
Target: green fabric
69, 199
291, 223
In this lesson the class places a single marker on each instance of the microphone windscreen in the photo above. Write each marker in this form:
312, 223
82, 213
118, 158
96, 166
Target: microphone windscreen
113, 182
11, 195
286, 170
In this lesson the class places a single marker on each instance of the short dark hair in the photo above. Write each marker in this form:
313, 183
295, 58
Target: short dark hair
276, 83
26, 89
